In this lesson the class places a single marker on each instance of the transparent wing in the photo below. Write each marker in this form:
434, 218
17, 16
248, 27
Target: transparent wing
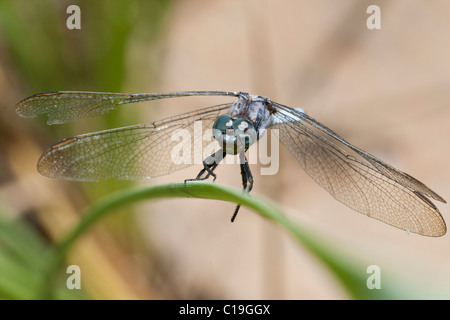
66, 106
358, 179
134, 152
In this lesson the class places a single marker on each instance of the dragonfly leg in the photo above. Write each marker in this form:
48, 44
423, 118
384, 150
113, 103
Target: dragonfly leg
247, 180
209, 165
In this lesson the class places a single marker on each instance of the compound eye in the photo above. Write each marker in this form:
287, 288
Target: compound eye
221, 125
245, 131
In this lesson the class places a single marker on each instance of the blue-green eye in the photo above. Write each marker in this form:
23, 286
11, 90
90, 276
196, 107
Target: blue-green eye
234, 136
221, 125
245, 131
224, 133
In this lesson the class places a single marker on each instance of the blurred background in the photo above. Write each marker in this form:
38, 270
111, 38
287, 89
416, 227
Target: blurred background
386, 91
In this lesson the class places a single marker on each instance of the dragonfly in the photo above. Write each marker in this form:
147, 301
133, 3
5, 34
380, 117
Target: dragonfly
351, 175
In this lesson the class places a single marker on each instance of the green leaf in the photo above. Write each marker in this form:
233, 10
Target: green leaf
348, 271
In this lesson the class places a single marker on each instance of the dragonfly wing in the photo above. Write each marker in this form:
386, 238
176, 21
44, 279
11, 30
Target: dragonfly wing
358, 179
66, 106
134, 152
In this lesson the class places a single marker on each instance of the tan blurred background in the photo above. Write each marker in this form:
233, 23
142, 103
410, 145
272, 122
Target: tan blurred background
385, 91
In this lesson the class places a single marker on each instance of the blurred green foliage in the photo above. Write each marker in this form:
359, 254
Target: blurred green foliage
25, 259
46, 56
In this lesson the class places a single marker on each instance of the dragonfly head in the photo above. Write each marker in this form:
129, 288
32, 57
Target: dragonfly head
234, 136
